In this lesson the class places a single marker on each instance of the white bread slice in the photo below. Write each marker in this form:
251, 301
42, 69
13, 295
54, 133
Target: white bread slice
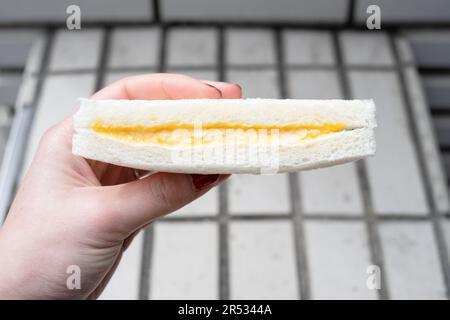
354, 141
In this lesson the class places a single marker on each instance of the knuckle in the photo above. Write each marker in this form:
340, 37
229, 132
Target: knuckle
51, 137
48, 136
161, 192
168, 193
99, 212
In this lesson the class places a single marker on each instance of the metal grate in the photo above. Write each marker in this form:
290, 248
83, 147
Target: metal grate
296, 217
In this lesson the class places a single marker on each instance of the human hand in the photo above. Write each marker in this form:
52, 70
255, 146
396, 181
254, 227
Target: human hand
73, 211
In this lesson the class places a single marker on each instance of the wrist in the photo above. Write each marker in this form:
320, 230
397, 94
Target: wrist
13, 277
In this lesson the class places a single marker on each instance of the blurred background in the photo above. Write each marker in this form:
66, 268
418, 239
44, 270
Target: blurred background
326, 234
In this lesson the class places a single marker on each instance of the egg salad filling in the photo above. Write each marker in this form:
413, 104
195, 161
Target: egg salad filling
186, 134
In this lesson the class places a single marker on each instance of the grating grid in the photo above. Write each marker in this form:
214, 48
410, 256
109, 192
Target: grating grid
434, 215
369, 216
296, 217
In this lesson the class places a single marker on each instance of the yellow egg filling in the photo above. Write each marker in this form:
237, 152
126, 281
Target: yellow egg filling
172, 134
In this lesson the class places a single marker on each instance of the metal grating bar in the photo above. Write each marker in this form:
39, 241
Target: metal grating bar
156, 7
147, 251
370, 218
224, 259
253, 67
318, 25
274, 216
104, 56
434, 215
147, 254
296, 213
224, 255
15, 149
351, 12
13, 158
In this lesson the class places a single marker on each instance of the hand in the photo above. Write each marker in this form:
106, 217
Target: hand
73, 211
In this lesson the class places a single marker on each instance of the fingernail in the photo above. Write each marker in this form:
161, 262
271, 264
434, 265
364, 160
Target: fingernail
201, 181
215, 88
237, 85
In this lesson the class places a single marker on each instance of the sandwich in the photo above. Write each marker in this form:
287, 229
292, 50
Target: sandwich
223, 136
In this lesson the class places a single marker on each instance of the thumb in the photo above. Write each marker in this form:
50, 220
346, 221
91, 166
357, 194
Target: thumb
137, 203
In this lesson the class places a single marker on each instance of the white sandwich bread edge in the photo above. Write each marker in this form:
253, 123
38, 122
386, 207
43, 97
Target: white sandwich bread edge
322, 151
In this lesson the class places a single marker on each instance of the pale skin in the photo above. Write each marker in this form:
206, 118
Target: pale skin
73, 211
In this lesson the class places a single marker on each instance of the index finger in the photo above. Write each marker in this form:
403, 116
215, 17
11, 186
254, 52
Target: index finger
158, 86
150, 87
